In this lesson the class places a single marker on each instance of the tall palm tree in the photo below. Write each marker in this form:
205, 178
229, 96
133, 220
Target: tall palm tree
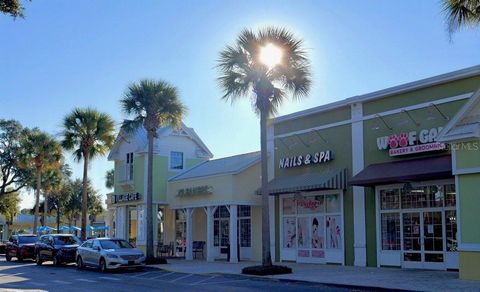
89, 134
245, 71
152, 104
461, 13
110, 179
40, 153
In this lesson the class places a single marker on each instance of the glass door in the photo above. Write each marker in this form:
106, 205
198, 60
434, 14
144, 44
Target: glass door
423, 239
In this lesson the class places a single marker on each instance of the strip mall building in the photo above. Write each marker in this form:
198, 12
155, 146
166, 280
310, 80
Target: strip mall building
389, 178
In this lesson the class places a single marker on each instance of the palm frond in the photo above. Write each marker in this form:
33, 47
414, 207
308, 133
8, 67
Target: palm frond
461, 13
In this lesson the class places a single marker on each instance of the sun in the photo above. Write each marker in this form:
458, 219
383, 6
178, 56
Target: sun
271, 55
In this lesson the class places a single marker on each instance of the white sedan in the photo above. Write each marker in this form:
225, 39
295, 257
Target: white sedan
109, 253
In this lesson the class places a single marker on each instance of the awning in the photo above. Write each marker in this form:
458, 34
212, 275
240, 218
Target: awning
438, 167
308, 182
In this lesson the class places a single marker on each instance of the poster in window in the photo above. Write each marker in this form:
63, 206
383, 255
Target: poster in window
303, 232
288, 206
318, 232
311, 205
333, 203
334, 232
289, 233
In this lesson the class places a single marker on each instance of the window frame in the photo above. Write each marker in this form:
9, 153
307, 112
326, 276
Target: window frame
170, 160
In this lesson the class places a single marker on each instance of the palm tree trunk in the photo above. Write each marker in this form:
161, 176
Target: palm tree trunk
84, 196
45, 208
37, 200
266, 256
149, 246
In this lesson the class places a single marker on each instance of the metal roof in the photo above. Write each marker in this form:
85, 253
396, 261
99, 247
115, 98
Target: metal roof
227, 165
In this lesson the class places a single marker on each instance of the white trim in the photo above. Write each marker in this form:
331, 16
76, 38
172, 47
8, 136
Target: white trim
458, 213
411, 86
469, 247
444, 136
382, 114
219, 203
470, 170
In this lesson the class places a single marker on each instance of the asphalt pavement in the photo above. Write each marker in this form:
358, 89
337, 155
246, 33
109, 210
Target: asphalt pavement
27, 275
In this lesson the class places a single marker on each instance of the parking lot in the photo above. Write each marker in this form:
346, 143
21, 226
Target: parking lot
27, 275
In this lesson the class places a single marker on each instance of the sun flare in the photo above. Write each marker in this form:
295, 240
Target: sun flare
271, 55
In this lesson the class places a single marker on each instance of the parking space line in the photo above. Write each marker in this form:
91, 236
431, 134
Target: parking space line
224, 282
142, 274
86, 280
110, 278
183, 277
61, 282
203, 280
163, 275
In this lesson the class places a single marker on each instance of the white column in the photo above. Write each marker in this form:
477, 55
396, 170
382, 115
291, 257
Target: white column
233, 234
141, 224
210, 210
189, 235
359, 224
271, 199
121, 222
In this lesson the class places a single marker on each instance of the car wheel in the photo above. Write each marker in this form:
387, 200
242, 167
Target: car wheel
8, 258
80, 263
38, 259
56, 261
103, 266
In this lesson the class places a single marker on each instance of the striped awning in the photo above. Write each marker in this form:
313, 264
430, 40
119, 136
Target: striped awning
308, 182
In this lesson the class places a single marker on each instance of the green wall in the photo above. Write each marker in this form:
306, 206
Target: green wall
469, 192
468, 154
138, 174
370, 224
423, 95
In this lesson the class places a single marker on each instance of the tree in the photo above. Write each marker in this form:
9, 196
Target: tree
39, 153
110, 179
153, 104
461, 13
13, 176
265, 65
57, 190
73, 204
12, 7
10, 207
89, 134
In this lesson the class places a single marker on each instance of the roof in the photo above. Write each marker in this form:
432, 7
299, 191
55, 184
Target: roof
437, 167
407, 87
465, 124
140, 136
228, 165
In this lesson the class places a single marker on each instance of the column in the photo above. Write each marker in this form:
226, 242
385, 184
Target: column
120, 222
210, 210
233, 234
359, 223
189, 235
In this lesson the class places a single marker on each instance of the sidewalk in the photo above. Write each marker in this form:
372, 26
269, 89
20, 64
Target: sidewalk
390, 278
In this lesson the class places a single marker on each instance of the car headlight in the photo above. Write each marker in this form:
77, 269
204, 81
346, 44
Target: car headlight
112, 256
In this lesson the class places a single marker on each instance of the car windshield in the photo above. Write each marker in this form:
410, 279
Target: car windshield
115, 244
27, 239
66, 240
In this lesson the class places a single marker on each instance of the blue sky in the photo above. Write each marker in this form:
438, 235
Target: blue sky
68, 54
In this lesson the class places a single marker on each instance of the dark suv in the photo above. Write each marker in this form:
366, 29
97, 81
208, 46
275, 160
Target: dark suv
20, 246
59, 248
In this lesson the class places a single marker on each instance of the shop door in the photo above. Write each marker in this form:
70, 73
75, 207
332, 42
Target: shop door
423, 239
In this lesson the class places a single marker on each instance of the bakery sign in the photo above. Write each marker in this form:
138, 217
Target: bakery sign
307, 159
128, 197
411, 142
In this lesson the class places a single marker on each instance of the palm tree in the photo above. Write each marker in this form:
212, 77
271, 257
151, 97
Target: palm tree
40, 153
152, 104
110, 179
265, 66
88, 133
461, 13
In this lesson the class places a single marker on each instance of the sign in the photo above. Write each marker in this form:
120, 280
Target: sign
411, 142
128, 197
200, 190
300, 160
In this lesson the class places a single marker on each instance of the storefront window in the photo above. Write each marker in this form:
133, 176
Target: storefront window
389, 199
451, 228
244, 225
220, 226
311, 224
132, 224
161, 224
450, 198
390, 231
180, 231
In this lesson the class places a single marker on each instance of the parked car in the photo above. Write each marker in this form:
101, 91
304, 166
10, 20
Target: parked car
59, 248
21, 246
109, 253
